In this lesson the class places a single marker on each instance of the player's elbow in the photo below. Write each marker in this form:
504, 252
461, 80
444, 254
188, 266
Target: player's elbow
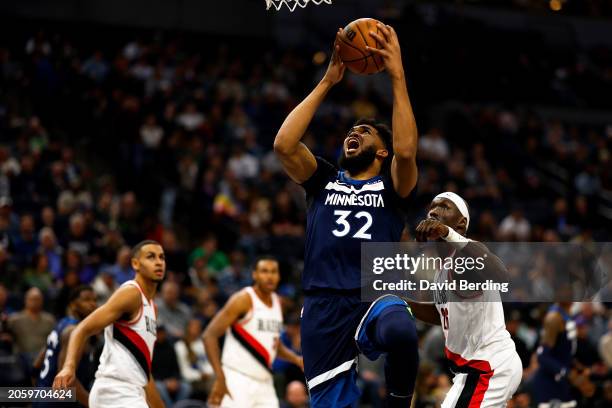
281, 147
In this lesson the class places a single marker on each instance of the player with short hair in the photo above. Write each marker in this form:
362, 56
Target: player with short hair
251, 321
482, 355
129, 320
81, 302
363, 201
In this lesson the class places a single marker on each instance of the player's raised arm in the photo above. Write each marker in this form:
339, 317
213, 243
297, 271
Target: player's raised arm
126, 301
298, 161
403, 167
237, 306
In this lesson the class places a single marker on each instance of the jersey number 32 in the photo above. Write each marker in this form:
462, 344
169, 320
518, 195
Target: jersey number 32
344, 226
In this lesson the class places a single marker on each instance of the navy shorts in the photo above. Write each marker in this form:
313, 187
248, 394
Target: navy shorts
333, 330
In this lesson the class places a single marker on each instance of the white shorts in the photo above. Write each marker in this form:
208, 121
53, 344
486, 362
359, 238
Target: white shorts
248, 392
486, 390
109, 393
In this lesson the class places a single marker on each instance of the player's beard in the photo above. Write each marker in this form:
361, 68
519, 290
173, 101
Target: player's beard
359, 162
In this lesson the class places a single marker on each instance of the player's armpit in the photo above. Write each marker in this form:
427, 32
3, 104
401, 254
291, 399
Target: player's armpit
299, 163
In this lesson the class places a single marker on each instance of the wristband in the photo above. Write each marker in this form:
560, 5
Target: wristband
458, 240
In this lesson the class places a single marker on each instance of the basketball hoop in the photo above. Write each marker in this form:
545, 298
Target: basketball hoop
292, 4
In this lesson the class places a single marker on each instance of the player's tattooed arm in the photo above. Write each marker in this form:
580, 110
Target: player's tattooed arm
236, 307
126, 301
153, 398
403, 166
297, 160
425, 311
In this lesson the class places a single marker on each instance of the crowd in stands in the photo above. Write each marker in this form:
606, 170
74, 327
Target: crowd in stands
116, 139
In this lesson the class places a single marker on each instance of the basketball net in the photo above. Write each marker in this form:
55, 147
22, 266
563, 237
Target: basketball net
292, 4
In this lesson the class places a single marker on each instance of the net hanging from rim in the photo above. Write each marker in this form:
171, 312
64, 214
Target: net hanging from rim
293, 4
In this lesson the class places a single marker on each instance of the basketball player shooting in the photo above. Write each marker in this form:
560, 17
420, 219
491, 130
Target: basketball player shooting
129, 320
251, 321
363, 201
481, 353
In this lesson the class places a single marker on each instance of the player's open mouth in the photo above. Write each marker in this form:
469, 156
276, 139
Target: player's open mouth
352, 144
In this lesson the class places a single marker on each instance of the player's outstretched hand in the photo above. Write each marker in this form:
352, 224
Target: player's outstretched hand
336, 68
430, 229
390, 50
64, 379
218, 391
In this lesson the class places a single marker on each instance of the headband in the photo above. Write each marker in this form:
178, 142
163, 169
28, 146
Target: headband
459, 202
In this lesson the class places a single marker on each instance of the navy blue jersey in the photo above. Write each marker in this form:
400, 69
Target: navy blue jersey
547, 384
49, 368
343, 213
565, 346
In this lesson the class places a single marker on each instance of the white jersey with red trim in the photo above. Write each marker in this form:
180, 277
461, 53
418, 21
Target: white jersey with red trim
473, 324
251, 343
128, 345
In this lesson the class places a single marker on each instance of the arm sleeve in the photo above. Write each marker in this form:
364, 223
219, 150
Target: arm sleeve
324, 172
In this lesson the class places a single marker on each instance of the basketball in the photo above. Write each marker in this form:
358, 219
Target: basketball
353, 41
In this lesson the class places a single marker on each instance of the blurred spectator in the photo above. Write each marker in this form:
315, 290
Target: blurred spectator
52, 251
586, 353
171, 312
31, 326
295, 396
605, 346
25, 243
121, 270
166, 371
512, 325
190, 118
514, 227
432, 146
96, 67
194, 366
236, 275
208, 254
38, 274
104, 285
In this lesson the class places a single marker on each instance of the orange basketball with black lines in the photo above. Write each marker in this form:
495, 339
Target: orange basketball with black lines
353, 41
